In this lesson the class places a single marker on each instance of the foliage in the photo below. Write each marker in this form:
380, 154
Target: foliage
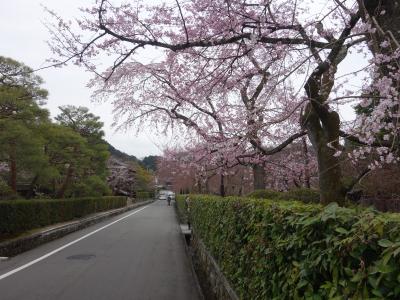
233, 73
17, 216
122, 155
21, 119
89, 127
150, 162
181, 208
92, 186
301, 194
144, 178
6, 192
291, 250
81, 120
264, 194
144, 195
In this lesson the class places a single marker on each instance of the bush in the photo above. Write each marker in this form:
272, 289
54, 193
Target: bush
301, 194
144, 195
291, 250
6, 193
91, 186
181, 208
264, 194
17, 216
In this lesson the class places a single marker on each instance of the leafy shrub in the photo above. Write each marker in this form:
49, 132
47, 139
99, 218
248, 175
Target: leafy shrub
92, 186
6, 192
181, 208
264, 194
300, 194
21, 215
291, 250
144, 195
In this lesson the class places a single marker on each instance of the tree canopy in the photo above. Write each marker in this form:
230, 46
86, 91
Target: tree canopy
248, 79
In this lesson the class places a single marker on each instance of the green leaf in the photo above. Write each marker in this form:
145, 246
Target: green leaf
385, 243
341, 230
302, 283
385, 269
377, 293
358, 277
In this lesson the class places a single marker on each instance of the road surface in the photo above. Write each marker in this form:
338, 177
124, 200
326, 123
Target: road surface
136, 255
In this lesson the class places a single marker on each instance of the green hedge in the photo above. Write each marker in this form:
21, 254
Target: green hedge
181, 207
17, 216
301, 194
291, 250
144, 195
264, 194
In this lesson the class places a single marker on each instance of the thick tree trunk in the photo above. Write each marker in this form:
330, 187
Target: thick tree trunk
258, 176
199, 186
61, 191
13, 166
31, 191
222, 186
325, 139
330, 176
306, 164
207, 186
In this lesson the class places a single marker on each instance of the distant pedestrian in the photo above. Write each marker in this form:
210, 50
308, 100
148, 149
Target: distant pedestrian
169, 200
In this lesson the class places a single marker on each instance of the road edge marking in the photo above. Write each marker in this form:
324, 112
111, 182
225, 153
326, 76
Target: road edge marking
27, 265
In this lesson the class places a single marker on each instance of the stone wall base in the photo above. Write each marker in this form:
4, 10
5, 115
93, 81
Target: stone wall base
212, 281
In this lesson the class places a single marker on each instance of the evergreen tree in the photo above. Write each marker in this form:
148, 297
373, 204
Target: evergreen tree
21, 118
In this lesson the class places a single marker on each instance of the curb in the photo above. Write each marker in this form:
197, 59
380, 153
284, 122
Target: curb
19, 245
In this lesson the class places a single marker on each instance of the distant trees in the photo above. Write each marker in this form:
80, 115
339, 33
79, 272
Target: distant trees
206, 47
90, 157
37, 156
21, 119
150, 162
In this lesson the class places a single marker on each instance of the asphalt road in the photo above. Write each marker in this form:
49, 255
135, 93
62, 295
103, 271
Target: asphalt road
139, 257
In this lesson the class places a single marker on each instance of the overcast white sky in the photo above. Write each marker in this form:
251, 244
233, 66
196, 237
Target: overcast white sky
23, 38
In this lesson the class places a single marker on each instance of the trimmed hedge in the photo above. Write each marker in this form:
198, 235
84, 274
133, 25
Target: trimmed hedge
291, 250
17, 216
301, 194
264, 194
144, 195
181, 208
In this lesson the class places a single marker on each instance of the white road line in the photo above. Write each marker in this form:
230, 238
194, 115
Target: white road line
65, 246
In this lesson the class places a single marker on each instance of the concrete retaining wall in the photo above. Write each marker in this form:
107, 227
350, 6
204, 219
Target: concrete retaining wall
212, 281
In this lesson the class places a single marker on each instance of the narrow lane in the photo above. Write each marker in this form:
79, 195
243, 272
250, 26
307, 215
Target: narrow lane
139, 257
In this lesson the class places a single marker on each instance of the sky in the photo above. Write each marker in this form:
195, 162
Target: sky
23, 38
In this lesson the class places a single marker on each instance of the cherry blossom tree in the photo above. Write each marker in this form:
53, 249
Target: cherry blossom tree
210, 50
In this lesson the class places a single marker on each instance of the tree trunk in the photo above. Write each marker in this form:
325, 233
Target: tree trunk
31, 191
66, 183
13, 166
325, 139
259, 177
199, 185
330, 176
306, 164
222, 186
